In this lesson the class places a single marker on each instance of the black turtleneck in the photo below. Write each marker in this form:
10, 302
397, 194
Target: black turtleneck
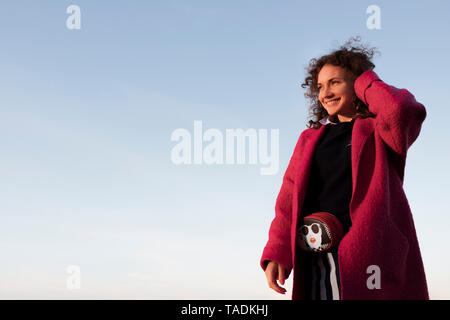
330, 181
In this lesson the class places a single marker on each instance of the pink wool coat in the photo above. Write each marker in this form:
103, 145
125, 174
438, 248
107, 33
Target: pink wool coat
382, 232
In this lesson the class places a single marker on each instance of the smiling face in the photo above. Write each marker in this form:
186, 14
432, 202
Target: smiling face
336, 92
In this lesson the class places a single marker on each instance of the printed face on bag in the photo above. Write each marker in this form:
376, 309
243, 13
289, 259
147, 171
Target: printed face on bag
336, 92
313, 236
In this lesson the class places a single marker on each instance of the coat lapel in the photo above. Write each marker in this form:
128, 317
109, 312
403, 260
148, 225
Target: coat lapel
304, 157
301, 178
362, 129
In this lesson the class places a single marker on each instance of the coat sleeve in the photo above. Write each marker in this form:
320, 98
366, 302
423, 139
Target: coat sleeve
278, 247
399, 116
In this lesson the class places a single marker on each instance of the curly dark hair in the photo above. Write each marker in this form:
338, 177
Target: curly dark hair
355, 59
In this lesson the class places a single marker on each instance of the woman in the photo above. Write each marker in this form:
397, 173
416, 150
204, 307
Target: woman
350, 164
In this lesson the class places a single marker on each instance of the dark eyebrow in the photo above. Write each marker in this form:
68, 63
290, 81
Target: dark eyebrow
331, 79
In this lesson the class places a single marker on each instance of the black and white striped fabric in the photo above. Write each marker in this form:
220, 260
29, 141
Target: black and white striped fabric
324, 276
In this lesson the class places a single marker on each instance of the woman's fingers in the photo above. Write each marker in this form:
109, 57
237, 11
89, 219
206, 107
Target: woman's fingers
272, 275
281, 274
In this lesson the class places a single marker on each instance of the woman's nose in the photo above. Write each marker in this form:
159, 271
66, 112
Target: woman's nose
326, 93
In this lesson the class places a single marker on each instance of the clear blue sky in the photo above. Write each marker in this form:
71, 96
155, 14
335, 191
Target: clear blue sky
86, 118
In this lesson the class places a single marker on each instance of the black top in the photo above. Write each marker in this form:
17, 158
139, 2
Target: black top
330, 181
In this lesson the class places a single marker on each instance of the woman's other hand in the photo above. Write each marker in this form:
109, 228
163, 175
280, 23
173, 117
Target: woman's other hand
274, 272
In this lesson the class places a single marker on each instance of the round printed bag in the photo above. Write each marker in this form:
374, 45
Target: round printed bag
319, 232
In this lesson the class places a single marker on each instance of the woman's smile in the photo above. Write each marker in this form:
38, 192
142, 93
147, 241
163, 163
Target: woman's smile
332, 102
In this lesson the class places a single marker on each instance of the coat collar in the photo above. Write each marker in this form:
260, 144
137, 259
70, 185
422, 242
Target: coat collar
327, 119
